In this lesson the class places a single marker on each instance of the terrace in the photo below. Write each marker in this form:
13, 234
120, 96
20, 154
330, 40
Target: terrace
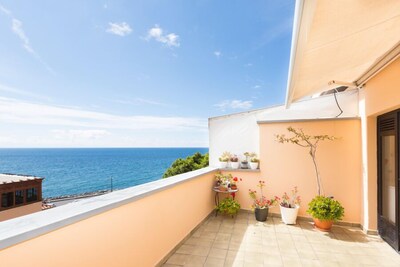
242, 241
171, 222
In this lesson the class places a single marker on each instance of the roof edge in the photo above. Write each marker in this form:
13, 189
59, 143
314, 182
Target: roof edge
307, 120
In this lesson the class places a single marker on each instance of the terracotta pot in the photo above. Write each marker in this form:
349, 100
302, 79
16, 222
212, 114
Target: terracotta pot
323, 225
222, 188
261, 214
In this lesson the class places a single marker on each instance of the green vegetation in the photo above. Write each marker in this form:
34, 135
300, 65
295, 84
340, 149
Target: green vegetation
325, 208
191, 163
228, 206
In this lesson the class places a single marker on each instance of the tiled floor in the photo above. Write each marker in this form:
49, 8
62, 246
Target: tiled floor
242, 241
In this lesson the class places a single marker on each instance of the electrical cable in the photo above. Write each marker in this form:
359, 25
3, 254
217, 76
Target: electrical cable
337, 103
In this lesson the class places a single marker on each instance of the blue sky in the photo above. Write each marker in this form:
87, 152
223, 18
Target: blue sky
136, 73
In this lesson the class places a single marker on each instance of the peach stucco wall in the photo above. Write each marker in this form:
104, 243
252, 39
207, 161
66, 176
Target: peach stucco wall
380, 95
284, 166
140, 233
20, 211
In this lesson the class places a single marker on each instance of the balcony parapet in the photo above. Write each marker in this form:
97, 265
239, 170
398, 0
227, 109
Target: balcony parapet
30, 226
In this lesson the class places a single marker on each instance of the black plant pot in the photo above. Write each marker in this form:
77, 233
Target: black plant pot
261, 214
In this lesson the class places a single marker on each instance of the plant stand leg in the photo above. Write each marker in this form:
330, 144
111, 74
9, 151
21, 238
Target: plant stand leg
216, 199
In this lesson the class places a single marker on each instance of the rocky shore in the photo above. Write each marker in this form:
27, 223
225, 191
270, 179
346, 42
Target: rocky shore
75, 196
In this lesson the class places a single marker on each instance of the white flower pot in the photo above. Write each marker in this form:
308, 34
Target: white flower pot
253, 165
235, 165
289, 215
223, 164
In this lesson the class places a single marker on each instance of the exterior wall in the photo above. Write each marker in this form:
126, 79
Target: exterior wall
380, 95
284, 166
20, 211
140, 233
235, 133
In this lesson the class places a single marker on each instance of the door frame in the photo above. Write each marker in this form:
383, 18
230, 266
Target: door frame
388, 232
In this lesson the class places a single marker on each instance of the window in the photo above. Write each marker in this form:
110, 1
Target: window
7, 199
19, 197
31, 194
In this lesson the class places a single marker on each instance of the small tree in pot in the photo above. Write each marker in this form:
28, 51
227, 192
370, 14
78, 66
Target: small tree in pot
311, 143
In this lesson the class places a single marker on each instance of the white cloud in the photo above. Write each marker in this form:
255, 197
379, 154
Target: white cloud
20, 92
248, 65
20, 112
5, 10
121, 29
217, 53
79, 134
138, 101
257, 86
234, 104
16, 27
157, 34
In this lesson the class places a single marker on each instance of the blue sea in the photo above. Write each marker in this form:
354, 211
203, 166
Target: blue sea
80, 170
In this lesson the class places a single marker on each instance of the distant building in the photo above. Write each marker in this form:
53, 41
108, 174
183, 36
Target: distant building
19, 195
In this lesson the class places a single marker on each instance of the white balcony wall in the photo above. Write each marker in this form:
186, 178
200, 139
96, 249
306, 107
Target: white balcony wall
237, 133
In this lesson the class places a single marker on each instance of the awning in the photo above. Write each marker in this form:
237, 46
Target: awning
342, 41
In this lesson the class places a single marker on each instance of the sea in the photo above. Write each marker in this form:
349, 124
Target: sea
69, 171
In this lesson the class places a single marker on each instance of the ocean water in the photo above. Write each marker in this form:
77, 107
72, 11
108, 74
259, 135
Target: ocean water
79, 170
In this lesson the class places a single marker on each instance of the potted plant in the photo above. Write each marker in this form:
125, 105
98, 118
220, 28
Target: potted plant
254, 163
311, 142
308, 141
289, 206
228, 206
234, 162
244, 162
261, 205
224, 159
325, 211
234, 183
223, 181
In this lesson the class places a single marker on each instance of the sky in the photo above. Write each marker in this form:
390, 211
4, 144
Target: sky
136, 73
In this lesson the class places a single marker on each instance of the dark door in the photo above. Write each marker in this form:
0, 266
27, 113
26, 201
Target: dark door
388, 178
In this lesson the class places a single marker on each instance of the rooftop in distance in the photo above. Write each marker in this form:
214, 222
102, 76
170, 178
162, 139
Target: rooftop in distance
6, 178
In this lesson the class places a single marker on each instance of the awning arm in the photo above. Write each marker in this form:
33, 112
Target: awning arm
380, 64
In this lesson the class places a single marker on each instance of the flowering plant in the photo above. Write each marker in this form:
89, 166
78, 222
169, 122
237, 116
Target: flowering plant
292, 200
254, 159
225, 157
235, 180
249, 155
234, 158
262, 202
223, 179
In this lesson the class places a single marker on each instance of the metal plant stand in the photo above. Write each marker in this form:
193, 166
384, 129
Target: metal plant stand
216, 198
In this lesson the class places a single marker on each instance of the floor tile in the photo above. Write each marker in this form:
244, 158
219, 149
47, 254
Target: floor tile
242, 241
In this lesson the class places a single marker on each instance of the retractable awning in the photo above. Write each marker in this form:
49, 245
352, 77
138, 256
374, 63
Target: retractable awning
340, 42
